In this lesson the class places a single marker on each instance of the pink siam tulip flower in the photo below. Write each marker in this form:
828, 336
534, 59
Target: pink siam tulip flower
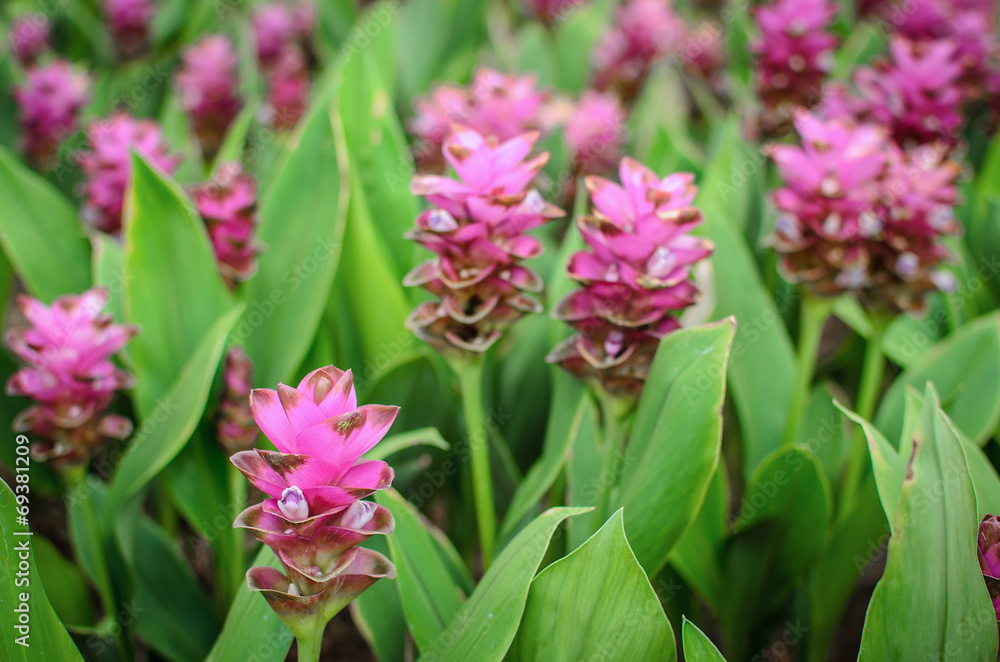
50, 102
208, 85
703, 53
552, 12
859, 215
108, 165
476, 227
635, 278
288, 90
29, 37
229, 206
495, 104
128, 23
235, 425
595, 132
794, 55
278, 26
644, 32
988, 551
70, 376
314, 517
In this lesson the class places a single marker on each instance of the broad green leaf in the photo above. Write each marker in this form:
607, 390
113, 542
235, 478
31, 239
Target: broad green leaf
378, 613
173, 290
698, 554
965, 368
932, 560
252, 630
397, 442
595, 601
109, 271
43, 637
41, 233
166, 429
303, 212
779, 531
674, 445
698, 647
431, 578
582, 480
485, 626
762, 345
570, 409
887, 466
64, 585
821, 431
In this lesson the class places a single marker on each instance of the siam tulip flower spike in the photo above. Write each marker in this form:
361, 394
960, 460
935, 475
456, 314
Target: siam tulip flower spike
108, 165
69, 374
129, 23
228, 205
235, 426
282, 36
988, 551
314, 517
595, 132
29, 37
208, 86
50, 102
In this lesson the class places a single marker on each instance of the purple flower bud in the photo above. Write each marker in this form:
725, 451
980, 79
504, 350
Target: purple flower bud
293, 504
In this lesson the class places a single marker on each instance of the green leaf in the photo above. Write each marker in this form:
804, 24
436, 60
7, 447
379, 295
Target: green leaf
109, 271
166, 429
698, 554
485, 626
252, 630
821, 431
173, 290
236, 136
932, 560
45, 637
887, 466
303, 212
431, 578
41, 233
965, 367
397, 442
378, 614
675, 441
698, 647
779, 531
594, 601
65, 586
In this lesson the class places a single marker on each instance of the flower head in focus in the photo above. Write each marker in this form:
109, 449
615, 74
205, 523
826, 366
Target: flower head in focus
634, 279
314, 517
129, 22
50, 102
207, 83
228, 204
595, 131
988, 551
69, 374
477, 228
108, 165
29, 37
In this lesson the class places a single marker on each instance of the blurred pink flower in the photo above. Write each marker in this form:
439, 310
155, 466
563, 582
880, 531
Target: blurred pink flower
794, 55
235, 425
552, 12
644, 32
228, 204
635, 277
50, 102
70, 375
595, 132
278, 26
128, 23
703, 52
988, 551
494, 105
288, 90
208, 87
476, 227
313, 517
108, 165
29, 37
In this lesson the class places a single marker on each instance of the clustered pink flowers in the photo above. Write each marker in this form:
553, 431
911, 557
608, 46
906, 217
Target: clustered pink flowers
794, 55
988, 551
314, 517
476, 226
29, 37
208, 84
108, 165
50, 101
634, 279
235, 425
494, 105
644, 32
228, 204
551, 12
129, 22
595, 131
282, 34
858, 214
70, 376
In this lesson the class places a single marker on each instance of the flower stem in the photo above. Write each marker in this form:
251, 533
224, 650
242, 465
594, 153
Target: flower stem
310, 645
231, 575
470, 376
815, 311
613, 414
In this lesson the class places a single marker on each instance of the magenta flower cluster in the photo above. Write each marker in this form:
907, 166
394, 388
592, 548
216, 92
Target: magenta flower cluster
228, 204
129, 23
208, 87
988, 551
235, 426
315, 517
634, 279
476, 226
859, 215
50, 101
69, 375
29, 38
282, 34
595, 132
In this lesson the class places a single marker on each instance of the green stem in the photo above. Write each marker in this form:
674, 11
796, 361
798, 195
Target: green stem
815, 311
230, 548
872, 372
470, 376
310, 646
613, 414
